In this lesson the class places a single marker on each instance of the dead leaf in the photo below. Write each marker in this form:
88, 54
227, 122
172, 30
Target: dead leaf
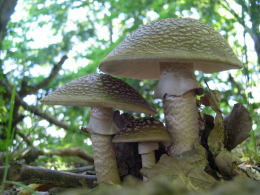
217, 135
237, 126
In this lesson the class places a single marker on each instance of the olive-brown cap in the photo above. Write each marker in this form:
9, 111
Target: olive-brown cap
99, 90
145, 129
170, 40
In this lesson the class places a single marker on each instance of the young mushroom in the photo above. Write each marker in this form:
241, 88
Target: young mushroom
170, 50
102, 93
147, 132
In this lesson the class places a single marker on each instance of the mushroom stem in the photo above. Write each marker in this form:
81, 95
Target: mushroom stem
175, 87
181, 117
146, 149
148, 159
175, 79
105, 159
102, 126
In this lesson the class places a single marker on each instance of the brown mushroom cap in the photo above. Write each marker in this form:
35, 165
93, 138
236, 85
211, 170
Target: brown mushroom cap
145, 129
182, 40
99, 90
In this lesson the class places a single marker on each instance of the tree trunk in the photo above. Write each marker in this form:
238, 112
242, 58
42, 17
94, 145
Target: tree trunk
6, 10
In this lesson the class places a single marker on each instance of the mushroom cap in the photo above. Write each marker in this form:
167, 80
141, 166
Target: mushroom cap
99, 90
182, 40
145, 129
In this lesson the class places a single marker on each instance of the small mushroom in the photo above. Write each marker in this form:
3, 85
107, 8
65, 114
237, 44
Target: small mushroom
147, 132
169, 50
102, 93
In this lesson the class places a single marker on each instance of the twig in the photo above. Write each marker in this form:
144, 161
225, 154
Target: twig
24, 137
31, 153
33, 109
26, 89
71, 152
29, 174
81, 169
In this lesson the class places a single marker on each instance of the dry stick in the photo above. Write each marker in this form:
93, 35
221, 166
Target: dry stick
29, 174
33, 153
82, 169
71, 152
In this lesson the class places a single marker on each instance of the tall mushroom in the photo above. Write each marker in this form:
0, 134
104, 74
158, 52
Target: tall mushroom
102, 93
170, 50
147, 132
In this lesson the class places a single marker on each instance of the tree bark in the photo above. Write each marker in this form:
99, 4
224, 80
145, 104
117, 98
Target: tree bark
6, 10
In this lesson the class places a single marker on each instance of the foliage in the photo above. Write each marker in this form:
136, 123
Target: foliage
9, 135
41, 32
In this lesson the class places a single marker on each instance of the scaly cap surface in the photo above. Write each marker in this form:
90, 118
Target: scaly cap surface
170, 40
99, 90
145, 129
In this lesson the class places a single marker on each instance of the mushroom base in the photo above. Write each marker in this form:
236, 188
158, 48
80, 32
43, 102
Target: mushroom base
105, 159
181, 117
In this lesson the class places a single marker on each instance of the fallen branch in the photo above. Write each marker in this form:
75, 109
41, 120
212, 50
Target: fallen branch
31, 153
29, 174
71, 152
82, 169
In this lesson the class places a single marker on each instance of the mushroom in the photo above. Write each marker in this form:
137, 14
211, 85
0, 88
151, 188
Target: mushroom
102, 93
170, 50
147, 132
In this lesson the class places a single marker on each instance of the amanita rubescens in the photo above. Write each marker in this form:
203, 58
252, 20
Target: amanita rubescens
102, 93
147, 132
169, 50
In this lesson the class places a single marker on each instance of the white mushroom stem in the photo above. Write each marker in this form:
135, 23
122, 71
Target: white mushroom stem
175, 87
103, 149
146, 149
175, 79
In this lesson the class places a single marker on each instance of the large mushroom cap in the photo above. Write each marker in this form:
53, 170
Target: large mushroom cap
145, 129
170, 40
99, 90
